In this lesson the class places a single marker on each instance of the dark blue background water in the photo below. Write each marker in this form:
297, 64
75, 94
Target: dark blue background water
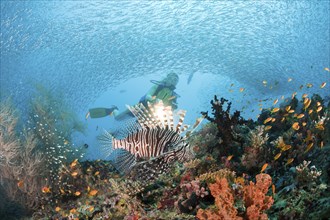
104, 53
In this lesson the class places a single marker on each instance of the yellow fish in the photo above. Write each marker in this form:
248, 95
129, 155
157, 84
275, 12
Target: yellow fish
323, 85
264, 167
319, 108
295, 126
275, 110
307, 104
277, 156
268, 120
275, 101
289, 161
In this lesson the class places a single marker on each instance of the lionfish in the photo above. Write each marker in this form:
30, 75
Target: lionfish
152, 144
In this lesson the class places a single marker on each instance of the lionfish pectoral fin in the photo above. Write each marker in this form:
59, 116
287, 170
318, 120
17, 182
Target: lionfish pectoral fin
106, 140
124, 161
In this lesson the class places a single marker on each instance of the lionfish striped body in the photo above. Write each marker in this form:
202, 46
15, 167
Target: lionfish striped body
153, 144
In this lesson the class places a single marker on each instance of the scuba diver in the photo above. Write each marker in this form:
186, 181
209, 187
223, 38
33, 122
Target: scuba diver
161, 90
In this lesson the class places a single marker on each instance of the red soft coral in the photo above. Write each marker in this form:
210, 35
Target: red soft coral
255, 199
224, 201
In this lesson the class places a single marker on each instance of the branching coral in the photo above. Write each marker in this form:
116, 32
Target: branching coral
21, 166
225, 124
255, 154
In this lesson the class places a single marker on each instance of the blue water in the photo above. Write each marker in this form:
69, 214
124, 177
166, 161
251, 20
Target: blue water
106, 52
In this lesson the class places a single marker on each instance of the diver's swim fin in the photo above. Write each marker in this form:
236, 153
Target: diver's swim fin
101, 112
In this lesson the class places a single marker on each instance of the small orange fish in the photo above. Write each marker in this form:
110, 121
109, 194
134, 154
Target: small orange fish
91, 209
273, 120
295, 126
291, 111
241, 89
309, 146
229, 157
307, 103
288, 108
77, 193
88, 189
268, 120
273, 189
290, 79
264, 167
318, 104
45, 189
275, 101
304, 95
66, 142
293, 95
327, 69
319, 109
87, 115
93, 192
171, 98
268, 127
321, 144
286, 147
264, 82
275, 110
74, 163
74, 174
96, 173
277, 156
310, 111
289, 161
283, 119
319, 126
73, 211
304, 124
323, 85
300, 116
20, 183
57, 209
309, 85
62, 191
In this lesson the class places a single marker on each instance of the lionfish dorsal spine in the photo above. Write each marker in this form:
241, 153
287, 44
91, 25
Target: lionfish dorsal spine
182, 114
